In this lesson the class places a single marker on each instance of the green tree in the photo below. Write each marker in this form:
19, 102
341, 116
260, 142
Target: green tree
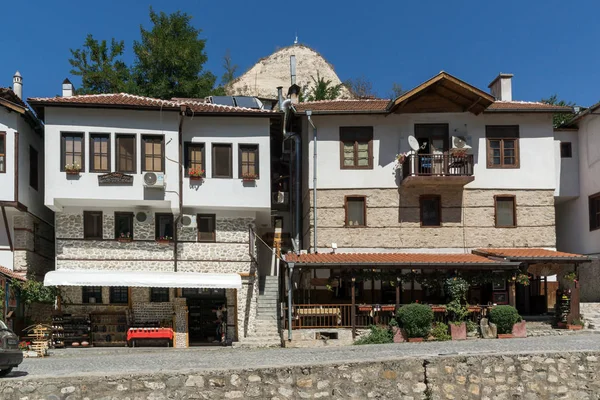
100, 66
321, 90
559, 119
170, 59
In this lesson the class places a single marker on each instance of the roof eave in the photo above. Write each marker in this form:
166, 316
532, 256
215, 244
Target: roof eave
344, 112
529, 110
96, 105
448, 266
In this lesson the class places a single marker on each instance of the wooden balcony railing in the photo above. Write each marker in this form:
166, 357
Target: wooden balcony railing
437, 165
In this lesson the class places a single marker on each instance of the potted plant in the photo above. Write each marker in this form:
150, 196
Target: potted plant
505, 318
365, 307
73, 169
577, 324
125, 237
416, 320
248, 177
164, 239
571, 277
439, 332
196, 174
457, 310
438, 309
388, 307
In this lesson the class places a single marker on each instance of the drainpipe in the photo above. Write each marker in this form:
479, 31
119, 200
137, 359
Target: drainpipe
286, 105
180, 165
309, 114
290, 294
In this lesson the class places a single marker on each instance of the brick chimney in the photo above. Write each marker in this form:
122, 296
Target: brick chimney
501, 87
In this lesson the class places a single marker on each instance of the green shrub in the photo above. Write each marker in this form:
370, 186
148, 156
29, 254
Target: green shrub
471, 326
378, 335
440, 332
457, 312
416, 319
504, 317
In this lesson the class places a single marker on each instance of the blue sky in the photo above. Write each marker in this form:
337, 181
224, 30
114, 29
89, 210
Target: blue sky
549, 46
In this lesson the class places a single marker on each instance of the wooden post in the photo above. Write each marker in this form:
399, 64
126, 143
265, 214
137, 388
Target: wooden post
398, 283
512, 295
353, 311
574, 312
546, 291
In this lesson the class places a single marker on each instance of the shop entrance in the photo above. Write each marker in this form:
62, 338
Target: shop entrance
203, 316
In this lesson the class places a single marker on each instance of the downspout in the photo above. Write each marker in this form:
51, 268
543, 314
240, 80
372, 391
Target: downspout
286, 105
309, 114
180, 164
290, 294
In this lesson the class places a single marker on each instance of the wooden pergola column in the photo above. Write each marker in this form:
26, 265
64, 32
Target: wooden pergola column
575, 311
353, 310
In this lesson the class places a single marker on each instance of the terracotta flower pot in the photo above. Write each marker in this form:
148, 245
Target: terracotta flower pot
574, 327
438, 309
415, 339
505, 336
388, 308
163, 241
365, 308
458, 332
125, 240
196, 179
519, 330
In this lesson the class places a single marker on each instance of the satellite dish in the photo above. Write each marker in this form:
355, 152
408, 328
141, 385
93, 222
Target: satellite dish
459, 143
413, 143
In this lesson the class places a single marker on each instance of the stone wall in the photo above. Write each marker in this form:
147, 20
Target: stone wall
510, 376
34, 249
589, 275
393, 219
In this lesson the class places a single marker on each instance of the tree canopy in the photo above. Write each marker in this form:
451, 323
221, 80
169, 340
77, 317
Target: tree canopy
559, 119
320, 90
361, 87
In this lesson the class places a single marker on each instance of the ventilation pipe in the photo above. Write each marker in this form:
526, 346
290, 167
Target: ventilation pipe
293, 68
18, 85
295, 205
308, 115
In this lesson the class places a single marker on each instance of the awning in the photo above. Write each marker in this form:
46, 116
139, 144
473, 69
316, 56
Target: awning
143, 279
533, 255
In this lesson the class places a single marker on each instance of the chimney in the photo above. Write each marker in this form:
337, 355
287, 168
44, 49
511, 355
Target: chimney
18, 85
294, 93
67, 88
279, 96
293, 68
501, 87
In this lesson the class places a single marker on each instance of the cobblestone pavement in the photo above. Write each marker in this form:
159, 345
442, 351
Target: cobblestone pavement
104, 362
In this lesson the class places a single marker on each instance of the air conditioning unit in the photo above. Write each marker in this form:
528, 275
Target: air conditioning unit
143, 217
154, 180
280, 198
188, 221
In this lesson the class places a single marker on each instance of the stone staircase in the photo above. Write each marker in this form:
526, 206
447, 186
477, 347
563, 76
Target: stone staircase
266, 326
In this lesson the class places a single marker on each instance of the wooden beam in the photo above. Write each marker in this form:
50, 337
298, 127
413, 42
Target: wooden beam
353, 310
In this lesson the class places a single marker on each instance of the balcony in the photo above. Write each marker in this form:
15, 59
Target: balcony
437, 169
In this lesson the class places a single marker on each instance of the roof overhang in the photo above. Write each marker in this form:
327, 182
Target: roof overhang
533, 256
442, 93
143, 279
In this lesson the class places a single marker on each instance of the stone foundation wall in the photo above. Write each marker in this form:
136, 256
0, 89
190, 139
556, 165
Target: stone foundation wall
393, 219
247, 298
509, 376
152, 312
34, 247
589, 275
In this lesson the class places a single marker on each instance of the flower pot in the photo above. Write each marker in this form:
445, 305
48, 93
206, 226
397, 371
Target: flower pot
124, 240
248, 179
438, 309
415, 339
574, 327
196, 179
388, 308
519, 330
72, 172
505, 336
458, 332
163, 241
399, 334
561, 325
365, 308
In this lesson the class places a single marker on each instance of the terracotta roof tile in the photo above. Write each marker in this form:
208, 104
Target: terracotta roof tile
8, 94
388, 258
532, 253
525, 106
12, 274
365, 105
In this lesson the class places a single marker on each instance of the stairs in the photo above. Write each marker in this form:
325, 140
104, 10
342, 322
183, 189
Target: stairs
266, 326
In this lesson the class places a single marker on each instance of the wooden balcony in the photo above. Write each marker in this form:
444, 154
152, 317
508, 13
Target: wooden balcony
437, 169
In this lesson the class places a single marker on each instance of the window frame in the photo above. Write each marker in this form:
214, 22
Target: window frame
214, 160
593, 198
424, 197
490, 136
514, 200
213, 217
112, 294
87, 291
118, 155
128, 214
566, 150
157, 217
92, 213
364, 199
187, 147
63, 148
92, 153
155, 297
162, 150
3, 139
34, 170
348, 130
246, 146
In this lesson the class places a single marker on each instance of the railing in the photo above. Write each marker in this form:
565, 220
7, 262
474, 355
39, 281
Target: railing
437, 165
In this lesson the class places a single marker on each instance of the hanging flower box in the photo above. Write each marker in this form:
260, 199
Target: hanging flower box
438, 309
125, 240
196, 175
72, 169
388, 308
365, 308
249, 178
164, 240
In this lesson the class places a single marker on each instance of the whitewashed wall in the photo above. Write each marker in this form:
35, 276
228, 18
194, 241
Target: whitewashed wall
567, 169
8, 124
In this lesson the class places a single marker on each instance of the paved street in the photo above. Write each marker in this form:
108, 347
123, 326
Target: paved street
104, 362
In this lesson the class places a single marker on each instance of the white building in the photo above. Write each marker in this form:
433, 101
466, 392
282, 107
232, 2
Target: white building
120, 179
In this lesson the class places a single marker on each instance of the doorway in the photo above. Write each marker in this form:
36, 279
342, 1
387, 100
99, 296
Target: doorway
203, 315
434, 142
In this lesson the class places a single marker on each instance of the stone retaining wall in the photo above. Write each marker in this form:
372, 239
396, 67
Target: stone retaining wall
516, 376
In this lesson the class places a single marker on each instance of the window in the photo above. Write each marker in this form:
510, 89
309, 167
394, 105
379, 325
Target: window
159, 294
356, 147
153, 156
2, 152
248, 160
506, 216
221, 161
92, 224
206, 227
119, 295
100, 152
126, 154
33, 168
594, 204
194, 157
164, 226
502, 146
123, 225
566, 150
431, 210
91, 294
356, 211
72, 150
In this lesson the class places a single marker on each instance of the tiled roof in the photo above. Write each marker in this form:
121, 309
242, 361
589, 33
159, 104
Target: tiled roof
12, 274
8, 94
365, 105
125, 100
388, 258
529, 253
525, 106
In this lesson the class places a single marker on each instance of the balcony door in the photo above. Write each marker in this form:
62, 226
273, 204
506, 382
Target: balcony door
433, 144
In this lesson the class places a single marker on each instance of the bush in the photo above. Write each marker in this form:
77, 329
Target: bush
378, 335
440, 332
416, 319
504, 317
471, 326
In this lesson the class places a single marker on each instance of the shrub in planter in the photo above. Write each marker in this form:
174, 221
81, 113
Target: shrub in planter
415, 319
505, 317
440, 332
377, 335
